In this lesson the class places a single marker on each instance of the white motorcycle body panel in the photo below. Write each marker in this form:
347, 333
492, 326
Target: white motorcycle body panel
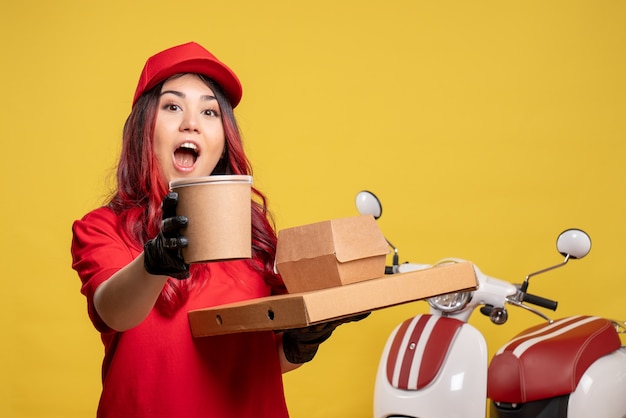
458, 391
601, 392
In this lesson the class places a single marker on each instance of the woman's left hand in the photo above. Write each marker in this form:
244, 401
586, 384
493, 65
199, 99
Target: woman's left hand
163, 254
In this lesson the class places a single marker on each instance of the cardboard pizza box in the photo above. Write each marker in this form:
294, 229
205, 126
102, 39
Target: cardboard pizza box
312, 307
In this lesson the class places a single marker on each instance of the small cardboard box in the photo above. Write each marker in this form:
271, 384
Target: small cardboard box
331, 253
310, 308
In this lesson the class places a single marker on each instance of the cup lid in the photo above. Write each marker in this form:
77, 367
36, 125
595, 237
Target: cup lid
194, 181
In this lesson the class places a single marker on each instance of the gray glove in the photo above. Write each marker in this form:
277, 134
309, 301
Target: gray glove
163, 254
300, 344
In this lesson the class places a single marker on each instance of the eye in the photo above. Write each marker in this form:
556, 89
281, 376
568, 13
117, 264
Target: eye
170, 106
212, 112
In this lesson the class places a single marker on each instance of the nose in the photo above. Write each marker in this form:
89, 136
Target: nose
189, 123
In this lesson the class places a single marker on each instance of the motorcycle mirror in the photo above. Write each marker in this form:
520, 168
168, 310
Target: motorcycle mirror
573, 242
368, 204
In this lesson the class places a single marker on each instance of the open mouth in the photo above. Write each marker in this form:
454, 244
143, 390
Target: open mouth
186, 155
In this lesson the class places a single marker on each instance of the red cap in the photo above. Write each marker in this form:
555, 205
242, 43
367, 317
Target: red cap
188, 58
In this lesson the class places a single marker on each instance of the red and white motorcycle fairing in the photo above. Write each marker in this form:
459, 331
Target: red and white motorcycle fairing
432, 366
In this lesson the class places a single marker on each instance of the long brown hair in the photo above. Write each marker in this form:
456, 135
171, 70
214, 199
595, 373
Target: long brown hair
141, 187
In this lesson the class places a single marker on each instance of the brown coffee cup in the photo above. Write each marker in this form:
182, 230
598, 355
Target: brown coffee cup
219, 213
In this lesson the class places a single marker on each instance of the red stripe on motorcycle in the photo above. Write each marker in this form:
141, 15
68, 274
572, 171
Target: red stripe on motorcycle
412, 352
436, 349
419, 349
399, 347
540, 331
392, 357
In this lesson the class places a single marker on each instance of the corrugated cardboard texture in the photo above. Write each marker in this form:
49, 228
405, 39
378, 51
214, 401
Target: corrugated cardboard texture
303, 309
331, 253
357, 237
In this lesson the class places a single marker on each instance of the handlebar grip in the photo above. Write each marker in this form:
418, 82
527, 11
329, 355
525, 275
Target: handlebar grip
539, 301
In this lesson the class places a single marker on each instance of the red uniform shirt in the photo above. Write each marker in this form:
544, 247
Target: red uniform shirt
158, 369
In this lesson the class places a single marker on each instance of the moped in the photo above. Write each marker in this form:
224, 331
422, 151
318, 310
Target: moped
436, 365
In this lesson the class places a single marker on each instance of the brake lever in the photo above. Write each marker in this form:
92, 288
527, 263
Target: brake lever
513, 301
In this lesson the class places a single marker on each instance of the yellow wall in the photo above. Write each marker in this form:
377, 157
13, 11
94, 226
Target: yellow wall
486, 127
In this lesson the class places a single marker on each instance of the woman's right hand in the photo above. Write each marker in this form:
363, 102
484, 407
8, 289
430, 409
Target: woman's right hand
163, 254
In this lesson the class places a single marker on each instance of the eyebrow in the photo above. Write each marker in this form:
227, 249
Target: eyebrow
180, 94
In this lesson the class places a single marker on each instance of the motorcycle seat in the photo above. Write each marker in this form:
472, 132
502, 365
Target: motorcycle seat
548, 360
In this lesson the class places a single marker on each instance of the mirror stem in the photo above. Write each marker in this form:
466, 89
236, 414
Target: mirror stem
524, 286
396, 258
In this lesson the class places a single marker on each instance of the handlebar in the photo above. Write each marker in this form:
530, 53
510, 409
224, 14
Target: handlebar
539, 301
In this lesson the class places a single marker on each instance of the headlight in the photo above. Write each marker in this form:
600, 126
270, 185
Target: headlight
450, 302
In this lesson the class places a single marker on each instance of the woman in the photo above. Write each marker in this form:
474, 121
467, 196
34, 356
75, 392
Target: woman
138, 287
